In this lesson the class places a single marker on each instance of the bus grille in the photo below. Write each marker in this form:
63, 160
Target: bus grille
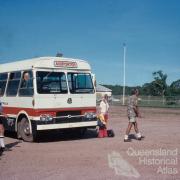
66, 113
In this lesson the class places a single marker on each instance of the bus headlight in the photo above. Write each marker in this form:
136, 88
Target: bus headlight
46, 117
90, 115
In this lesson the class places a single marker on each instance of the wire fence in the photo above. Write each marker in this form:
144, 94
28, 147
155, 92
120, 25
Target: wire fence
148, 101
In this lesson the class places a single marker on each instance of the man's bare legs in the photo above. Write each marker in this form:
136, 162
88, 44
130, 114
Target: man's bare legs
138, 134
129, 128
2, 136
136, 127
128, 131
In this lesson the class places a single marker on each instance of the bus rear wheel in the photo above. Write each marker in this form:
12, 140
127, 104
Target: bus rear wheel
24, 130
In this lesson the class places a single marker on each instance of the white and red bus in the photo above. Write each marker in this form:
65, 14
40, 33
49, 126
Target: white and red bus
47, 93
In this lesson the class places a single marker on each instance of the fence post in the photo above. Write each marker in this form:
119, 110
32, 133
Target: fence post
149, 99
163, 100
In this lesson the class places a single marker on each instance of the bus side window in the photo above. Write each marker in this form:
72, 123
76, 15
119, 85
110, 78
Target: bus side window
13, 83
3, 82
63, 84
26, 87
71, 82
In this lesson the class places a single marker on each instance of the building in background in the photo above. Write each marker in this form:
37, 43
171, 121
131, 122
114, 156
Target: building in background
102, 90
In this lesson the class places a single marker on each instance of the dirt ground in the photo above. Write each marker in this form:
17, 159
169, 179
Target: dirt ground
58, 156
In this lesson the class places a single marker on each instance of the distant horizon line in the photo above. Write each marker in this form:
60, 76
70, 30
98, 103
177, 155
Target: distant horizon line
104, 84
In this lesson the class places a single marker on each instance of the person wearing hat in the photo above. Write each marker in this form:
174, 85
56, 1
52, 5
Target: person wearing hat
103, 116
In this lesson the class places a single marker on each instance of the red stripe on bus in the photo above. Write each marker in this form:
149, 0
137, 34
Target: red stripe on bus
37, 112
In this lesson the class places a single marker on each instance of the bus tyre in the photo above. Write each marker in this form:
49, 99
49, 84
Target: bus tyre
18, 130
81, 132
24, 130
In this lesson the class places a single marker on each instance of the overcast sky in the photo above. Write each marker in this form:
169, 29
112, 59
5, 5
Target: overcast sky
95, 30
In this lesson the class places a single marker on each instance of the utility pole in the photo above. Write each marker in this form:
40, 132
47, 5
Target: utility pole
124, 72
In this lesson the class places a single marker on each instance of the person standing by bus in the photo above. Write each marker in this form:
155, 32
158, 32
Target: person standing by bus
103, 110
2, 116
133, 113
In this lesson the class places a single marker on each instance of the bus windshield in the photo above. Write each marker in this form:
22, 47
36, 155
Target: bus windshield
80, 83
51, 82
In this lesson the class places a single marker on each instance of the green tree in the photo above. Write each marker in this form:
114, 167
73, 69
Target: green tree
175, 88
159, 84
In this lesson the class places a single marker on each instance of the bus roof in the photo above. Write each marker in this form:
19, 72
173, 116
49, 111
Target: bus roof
46, 63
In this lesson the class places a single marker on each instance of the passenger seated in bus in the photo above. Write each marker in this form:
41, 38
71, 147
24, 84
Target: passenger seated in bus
26, 84
26, 80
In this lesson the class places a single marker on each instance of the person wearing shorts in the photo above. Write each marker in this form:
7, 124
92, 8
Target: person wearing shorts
103, 111
2, 117
133, 113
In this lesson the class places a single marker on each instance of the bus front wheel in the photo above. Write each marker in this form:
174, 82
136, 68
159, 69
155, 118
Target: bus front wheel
24, 130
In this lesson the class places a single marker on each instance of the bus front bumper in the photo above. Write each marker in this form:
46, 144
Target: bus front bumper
66, 125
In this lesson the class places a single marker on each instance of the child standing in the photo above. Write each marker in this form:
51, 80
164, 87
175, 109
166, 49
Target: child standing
103, 116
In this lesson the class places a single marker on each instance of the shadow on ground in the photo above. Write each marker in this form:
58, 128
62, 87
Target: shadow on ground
67, 135
59, 135
11, 146
132, 136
